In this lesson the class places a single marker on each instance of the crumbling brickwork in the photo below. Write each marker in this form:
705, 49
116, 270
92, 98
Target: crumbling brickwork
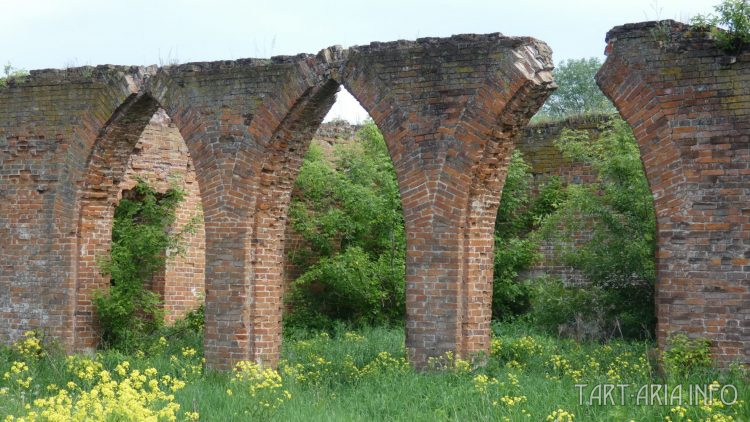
449, 109
687, 102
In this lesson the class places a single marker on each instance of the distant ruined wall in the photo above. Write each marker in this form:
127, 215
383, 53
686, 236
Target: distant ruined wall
161, 158
329, 135
537, 144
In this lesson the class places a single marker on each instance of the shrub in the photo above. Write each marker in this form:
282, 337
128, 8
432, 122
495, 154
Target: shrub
141, 235
349, 213
516, 248
730, 26
12, 74
684, 356
618, 212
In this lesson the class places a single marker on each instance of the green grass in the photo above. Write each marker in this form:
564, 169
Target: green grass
328, 378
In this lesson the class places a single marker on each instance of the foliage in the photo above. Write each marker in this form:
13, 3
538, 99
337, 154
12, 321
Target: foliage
618, 212
141, 239
730, 26
684, 355
12, 74
349, 213
516, 248
577, 92
360, 375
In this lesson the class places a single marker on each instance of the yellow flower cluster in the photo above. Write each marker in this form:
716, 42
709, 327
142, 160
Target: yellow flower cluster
449, 362
483, 382
561, 415
262, 384
511, 401
496, 345
126, 395
19, 375
30, 346
315, 371
353, 337
83, 368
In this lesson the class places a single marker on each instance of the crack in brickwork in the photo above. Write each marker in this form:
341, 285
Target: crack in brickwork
448, 108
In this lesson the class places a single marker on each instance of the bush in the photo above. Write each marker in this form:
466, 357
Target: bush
618, 212
730, 26
128, 311
516, 247
12, 74
349, 213
684, 356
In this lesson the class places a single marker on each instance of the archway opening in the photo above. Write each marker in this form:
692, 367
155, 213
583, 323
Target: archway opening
576, 229
139, 163
344, 255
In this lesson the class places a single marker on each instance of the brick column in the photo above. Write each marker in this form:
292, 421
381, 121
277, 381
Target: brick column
687, 104
449, 109
247, 124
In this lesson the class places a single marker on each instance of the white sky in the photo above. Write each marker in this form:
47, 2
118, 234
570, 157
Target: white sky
60, 33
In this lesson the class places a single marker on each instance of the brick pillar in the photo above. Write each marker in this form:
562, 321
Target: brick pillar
247, 124
449, 109
278, 172
687, 104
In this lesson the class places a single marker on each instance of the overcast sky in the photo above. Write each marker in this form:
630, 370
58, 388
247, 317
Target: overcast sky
39, 34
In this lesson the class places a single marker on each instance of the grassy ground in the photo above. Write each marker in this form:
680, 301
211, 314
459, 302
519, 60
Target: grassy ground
359, 375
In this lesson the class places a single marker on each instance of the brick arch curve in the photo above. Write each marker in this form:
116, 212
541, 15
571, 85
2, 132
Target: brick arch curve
689, 116
97, 197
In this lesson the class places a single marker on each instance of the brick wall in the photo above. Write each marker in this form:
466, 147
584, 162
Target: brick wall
536, 143
687, 102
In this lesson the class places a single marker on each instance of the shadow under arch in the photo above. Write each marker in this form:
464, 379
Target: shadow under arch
98, 195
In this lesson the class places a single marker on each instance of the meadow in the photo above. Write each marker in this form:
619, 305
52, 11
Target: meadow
363, 375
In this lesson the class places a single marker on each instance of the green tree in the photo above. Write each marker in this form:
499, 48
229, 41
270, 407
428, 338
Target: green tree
577, 92
618, 211
349, 212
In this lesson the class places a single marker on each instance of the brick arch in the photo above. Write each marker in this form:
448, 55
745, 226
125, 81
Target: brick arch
450, 140
278, 171
51, 122
253, 136
97, 198
446, 106
689, 118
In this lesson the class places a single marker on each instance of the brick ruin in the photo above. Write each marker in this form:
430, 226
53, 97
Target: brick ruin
688, 104
537, 144
449, 109
161, 159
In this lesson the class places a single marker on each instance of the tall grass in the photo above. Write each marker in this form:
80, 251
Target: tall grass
362, 375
